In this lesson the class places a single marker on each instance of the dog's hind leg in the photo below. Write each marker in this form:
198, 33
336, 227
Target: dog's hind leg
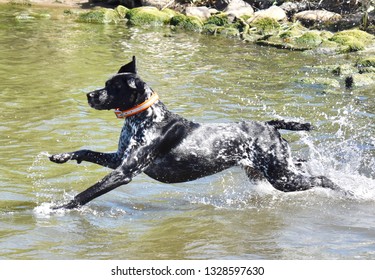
299, 182
253, 174
277, 166
288, 179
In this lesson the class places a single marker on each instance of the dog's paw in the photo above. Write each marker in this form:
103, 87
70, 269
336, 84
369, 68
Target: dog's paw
60, 158
70, 205
307, 126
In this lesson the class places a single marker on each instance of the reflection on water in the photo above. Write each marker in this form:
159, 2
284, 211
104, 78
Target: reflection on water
47, 66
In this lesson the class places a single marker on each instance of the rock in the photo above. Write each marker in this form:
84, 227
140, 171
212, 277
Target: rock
264, 4
230, 32
364, 65
352, 40
292, 8
366, 62
238, 8
28, 16
240, 12
265, 26
121, 10
294, 36
360, 80
345, 70
219, 20
160, 4
190, 23
200, 12
130, 4
309, 39
320, 81
312, 17
102, 15
226, 31
148, 16
213, 11
349, 21
220, 4
274, 12
339, 6
293, 31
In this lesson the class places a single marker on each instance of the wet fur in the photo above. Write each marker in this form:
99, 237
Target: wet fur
172, 149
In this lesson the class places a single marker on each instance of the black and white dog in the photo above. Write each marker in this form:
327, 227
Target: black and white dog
171, 149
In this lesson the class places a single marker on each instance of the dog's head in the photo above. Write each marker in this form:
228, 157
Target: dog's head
124, 90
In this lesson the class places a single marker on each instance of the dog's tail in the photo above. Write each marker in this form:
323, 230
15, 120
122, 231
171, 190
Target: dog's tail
295, 126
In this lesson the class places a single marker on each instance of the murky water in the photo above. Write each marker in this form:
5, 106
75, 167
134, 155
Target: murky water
47, 66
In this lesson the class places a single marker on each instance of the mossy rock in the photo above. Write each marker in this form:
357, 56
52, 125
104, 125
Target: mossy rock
281, 43
219, 20
170, 12
187, 22
363, 80
310, 39
293, 31
230, 32
326, 35
329, 44
352, 40
366, 62
26, 16
210, 29
266, 26
225, 31
122, 11
366, 70
102, 15
148, 16
320, 81
344, 70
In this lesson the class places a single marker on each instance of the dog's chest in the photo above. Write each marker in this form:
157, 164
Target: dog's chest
135, 133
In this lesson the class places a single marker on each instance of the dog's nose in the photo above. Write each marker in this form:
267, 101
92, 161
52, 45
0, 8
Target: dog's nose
90, 94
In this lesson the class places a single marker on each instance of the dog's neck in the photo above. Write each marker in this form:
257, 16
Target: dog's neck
121, 114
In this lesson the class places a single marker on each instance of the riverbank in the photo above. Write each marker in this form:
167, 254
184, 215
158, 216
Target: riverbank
49, 3
290, 25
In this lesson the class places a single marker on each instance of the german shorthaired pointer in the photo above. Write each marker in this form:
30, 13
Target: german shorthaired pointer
171, 149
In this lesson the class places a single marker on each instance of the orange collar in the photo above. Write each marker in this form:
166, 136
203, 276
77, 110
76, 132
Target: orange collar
138, 108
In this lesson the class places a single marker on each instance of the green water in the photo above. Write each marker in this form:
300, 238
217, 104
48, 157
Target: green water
47, 66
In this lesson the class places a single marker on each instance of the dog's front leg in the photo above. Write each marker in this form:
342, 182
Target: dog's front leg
113, 180
111, 160
137, 158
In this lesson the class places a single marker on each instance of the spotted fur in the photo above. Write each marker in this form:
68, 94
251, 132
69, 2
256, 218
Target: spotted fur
172, 149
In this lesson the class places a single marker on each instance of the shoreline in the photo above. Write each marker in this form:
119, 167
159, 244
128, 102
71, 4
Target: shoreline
77, 4
269, 27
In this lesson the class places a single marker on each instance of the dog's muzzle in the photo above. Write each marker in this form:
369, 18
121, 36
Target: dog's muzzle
98, 99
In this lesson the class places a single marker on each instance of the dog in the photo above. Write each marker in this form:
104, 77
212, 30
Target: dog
172, 149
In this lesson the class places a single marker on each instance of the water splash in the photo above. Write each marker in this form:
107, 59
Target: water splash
346, 155
346, 164
36, 172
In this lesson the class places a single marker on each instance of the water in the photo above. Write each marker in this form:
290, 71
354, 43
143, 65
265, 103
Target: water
47, 66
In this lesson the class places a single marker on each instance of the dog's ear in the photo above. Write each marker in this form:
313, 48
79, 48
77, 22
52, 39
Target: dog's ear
129, 68
136, 83
132, 83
